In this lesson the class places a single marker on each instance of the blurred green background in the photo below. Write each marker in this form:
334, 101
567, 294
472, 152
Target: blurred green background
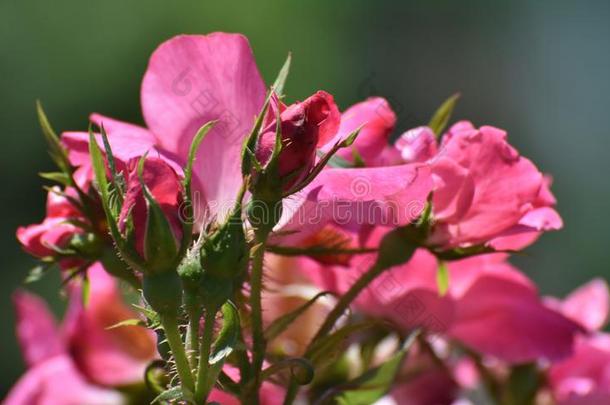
536, 68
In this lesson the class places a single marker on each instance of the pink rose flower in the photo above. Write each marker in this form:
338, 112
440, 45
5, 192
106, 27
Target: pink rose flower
55, 231
486, 193
584, 377
377, 120
490, 306
77, 362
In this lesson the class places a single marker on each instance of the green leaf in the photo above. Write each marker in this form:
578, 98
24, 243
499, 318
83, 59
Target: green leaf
300, 368
172, 395
441, 117
86, 290
247, 153
338, 161
280, 81
281, 323
330, 347
56, 149
375, 383
37, 273
99, 170
442, 278
160, 248
127, 322
224, 344
523, 385
57, 177
199, 137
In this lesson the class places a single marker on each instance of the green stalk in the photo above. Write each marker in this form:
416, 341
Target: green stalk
172, 334
192, 339
339, 309
258, 338
205, 348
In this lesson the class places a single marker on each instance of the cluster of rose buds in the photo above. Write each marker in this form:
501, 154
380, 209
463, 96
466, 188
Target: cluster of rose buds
240, 249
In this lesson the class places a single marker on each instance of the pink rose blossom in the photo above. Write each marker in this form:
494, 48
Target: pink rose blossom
486, 193
490, 306
55, 231
73, 363
584, 377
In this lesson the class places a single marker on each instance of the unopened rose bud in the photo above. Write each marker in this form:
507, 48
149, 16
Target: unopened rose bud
305, 126
153, 223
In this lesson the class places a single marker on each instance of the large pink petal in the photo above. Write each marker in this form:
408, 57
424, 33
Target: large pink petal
484, 188
193, 79
505, 319
387, 196
110, 357
378, 120
36, 329
586, 373
57, 381
588, 305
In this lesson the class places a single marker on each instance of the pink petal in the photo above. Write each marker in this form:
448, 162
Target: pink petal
586, 373
388, 196
416, 145
107, 356
505, 319
588, 305
37, 331
484, 188
378, 119
57, 381
193, 79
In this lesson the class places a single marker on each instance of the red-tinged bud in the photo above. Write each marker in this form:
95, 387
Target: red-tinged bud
305, 126
158, 247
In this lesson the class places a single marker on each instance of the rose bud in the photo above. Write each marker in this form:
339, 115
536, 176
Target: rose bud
305, 126
156, 238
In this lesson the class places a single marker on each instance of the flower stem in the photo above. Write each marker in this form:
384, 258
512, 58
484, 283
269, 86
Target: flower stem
344, 303
192, 334
172, 334
204, 355
258, 339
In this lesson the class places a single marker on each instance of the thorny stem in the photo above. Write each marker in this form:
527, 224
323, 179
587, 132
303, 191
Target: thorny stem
192, 336
258, 339
204, 355
172, 334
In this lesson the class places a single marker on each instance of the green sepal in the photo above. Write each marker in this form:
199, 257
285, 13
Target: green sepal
397, 246
348, 141
57, 177
375, 383
189, 215
280, 324
441, 117
127, 322
56, 149
174, 395
160, 245
280, 81
442, 278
